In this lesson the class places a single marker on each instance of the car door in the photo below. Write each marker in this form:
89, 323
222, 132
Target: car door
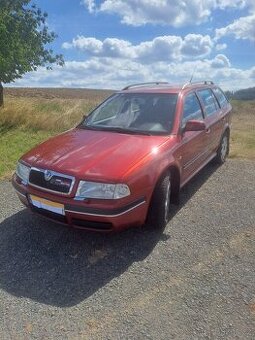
212, 119
192, 149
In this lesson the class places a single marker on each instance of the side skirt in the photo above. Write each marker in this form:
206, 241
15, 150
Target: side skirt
198, 169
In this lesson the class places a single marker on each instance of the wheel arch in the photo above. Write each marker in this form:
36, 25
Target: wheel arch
175, 183
174, 173
175, 178
227, 130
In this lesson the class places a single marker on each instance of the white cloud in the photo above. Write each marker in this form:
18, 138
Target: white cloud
220, 61
222, 4
110, 47
220, 47
116, 73
160, 48
90, 4
165, 12
242, 28
197, 45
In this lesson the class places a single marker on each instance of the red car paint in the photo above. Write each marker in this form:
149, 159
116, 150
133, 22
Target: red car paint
136, 160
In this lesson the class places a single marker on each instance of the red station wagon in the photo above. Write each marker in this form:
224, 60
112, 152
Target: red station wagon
128, 159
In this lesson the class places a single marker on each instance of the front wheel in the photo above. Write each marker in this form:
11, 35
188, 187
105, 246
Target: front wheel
158, 213
223, 149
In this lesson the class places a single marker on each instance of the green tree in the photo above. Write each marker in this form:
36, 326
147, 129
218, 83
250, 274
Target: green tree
24, 39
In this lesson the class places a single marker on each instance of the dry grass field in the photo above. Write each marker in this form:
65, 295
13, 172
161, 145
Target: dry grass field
243, 130
53, 93
32, 115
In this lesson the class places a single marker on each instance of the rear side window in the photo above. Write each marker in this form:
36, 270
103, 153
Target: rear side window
221, 97
191, 109
210, 104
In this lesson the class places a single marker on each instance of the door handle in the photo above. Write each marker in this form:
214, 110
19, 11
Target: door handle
208, 130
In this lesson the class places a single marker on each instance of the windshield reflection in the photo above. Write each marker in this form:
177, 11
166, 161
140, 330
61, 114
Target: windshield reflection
145, 113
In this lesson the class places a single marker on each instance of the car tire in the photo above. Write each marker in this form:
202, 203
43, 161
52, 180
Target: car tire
223, 149
158, 213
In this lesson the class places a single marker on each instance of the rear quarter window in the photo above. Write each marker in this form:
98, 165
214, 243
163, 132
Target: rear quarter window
220, 97
209, 101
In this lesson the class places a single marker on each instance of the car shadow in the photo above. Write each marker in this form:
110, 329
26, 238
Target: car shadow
61, 266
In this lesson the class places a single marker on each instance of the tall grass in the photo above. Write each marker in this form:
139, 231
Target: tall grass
42, 114
25, 122
14, 143
243, 130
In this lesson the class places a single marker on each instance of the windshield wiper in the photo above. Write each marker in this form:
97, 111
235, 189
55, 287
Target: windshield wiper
89, 127
115, 129
128, 131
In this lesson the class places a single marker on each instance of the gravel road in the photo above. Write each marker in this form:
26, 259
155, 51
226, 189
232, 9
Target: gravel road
194, 280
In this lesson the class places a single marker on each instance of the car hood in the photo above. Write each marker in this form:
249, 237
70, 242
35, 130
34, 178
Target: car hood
93, 154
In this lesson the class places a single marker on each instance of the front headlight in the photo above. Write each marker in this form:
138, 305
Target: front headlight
102, 190
22, 172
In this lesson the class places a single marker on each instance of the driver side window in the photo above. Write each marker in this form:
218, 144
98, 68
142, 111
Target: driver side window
191, 109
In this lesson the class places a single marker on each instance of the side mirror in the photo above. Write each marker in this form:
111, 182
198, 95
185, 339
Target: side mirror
194, 125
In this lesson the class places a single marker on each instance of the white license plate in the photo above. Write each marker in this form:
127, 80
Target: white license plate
42, 203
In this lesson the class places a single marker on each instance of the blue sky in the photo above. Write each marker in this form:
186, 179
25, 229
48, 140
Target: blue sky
111, 43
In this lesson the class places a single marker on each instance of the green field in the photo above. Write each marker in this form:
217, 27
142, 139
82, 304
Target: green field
30, 117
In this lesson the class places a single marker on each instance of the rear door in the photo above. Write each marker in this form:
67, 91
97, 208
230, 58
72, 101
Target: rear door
193, 150
212, 118
225, 107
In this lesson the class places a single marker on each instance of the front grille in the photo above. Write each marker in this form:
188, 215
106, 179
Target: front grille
54, 182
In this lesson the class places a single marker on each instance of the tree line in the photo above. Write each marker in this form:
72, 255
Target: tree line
244, 94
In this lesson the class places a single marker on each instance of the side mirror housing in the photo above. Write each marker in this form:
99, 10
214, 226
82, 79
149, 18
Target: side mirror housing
194, 125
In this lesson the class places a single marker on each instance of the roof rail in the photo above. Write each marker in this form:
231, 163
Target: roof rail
145, 84
204, 82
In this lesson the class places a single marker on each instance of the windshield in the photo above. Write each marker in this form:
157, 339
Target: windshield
150, 113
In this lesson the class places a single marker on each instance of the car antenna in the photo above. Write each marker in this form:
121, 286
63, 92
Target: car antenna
192, 74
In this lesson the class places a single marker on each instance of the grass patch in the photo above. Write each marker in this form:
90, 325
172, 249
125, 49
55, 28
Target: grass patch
44, 114
27, 121
243, 130
49, 106
13, 144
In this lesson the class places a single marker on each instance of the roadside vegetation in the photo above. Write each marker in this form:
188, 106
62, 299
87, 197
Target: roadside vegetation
28, 118
243, 129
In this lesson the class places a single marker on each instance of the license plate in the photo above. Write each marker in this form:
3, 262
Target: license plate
42, 203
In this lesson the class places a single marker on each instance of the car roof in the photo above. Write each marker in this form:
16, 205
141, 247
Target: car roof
164, 87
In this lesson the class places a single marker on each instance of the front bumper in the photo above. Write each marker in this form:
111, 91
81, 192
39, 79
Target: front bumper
86, 215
